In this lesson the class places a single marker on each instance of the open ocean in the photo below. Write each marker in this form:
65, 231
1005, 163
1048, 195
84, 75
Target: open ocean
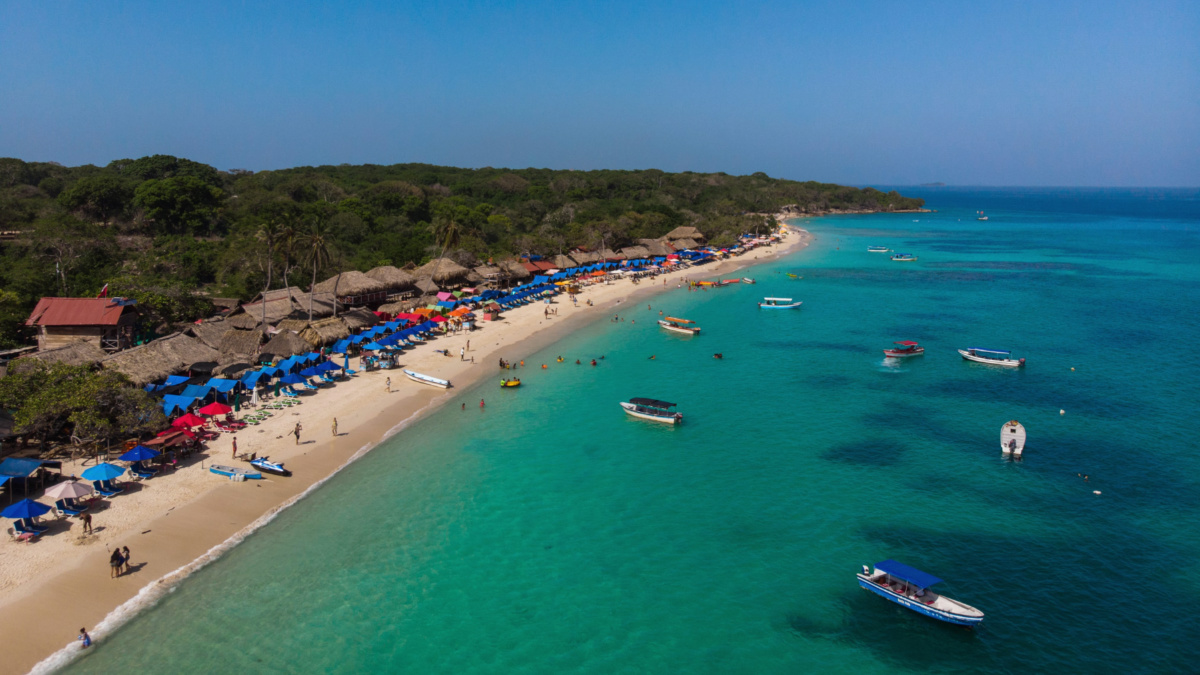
551, 533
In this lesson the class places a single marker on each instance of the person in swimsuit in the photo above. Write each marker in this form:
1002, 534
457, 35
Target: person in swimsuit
115, 561
84, 638
125, 557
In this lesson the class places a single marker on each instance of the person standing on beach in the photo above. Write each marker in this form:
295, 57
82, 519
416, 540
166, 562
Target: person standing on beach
462, 353
125, 557
389, 385
234, 455
296, 431
115, 561
87, 522
84, 638
335, 426
468, 345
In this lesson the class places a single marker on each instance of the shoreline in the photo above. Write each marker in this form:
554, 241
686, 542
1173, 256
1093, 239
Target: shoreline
61, 585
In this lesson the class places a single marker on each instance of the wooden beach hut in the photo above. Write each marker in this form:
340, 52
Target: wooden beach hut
353, 288
106, 322
286, 343
170, 355
443, 271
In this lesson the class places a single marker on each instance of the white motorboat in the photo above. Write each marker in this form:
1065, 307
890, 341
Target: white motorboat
652, 409
779, 303
904, 257
991, 357
1012, 439
878, 249
427, 379
675, 325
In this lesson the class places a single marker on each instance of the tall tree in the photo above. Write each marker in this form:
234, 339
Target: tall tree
316, 244
268, 232
99, 196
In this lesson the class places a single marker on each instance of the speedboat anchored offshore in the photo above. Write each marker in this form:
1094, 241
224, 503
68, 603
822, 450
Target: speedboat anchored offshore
909, 587
652, 409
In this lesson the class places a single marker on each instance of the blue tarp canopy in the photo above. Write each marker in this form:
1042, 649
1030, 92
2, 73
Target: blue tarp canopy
356, 339
251, 379
19, 467
222, 385
291, 379
540, 279
340, 347
448, 304
372, 345
326, 366
905, 573
171, 381
310, 372
392, 325
196, 390
173, 401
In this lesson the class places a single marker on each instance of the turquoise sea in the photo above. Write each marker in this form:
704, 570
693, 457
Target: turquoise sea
551, 533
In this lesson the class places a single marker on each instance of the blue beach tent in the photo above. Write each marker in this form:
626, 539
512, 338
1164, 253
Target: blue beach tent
310, 372
171, 402
196, 391
340, 347
291, 379
222, 385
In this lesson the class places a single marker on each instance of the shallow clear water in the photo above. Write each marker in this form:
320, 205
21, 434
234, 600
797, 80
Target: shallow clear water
551, 533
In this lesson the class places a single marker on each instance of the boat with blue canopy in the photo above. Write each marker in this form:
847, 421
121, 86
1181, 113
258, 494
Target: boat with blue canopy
909, 587
904, 257
653, 410
778, 303
994, 357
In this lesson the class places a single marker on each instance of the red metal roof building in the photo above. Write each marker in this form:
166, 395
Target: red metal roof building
106, 322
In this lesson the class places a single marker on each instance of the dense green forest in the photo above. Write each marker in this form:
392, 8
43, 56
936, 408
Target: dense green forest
170, 231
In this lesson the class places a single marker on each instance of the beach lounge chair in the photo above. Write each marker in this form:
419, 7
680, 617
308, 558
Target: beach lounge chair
308, 385
141, 471
106, 488
29, 526
20, 531
68, 507
326, 378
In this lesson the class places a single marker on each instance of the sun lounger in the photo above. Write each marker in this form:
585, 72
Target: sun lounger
23, 533
64, 507
105, 488
27, 525
309, 385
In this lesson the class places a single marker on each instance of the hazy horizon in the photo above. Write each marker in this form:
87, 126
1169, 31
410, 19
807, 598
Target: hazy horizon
1102, 94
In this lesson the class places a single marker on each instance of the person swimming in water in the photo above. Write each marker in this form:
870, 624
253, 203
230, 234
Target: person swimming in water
718, 355
577, 362
593, 362
651, 357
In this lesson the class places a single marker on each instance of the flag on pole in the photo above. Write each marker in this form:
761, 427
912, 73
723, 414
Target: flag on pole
103, 292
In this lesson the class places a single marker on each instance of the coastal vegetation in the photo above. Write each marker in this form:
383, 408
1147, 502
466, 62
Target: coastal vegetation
171, 233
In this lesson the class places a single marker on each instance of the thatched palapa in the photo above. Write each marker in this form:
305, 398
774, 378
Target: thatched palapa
585, 257
282, 303
350, 283
426, 285
563, 262
287, 343
294, 325
685, 232
78, 353
656, 246
155, 360
357, 319
244, 342
325, 332
514, 270
609, 254
441, 270
681, 244
210, 331
392, 278
632, 252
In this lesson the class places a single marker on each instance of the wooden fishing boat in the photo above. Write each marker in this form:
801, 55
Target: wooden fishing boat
682, 326
510, 384
652, 409
907, 348
904, 257
909, 587
1012, 439
779, 303
991, 357
233, 472
427, 379
878, 249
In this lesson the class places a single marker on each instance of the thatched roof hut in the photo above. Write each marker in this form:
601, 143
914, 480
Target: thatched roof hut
426, 285
325, 332
357, 319
585, 257
656, 246
162, 357
209, 331
397, 307
563, 262
488, 272
233, 366
681, 244
514, 270
294, 325
245, 342
609, 254
282, 303
632, 252
441, 270
78, 353
685, 232
243, 321
350, 283
392, 278
287, 343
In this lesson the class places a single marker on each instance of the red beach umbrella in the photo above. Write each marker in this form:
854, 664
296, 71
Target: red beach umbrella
189, 420
215, 408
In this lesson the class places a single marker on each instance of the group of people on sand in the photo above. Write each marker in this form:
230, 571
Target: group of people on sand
119, 561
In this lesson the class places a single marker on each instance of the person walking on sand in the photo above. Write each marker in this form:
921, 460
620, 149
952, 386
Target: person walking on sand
468, 345
462, 353
115, 561
125, 558
87, 522
234, 455
389, 385
296, 431
335, 426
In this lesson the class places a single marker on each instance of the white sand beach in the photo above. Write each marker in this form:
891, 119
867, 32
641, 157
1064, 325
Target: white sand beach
52, 587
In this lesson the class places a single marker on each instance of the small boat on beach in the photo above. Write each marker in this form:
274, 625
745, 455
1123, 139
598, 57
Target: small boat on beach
878, 249
427, 379
907, 348
904, 257
779, 303
265, 465
652, 409
510, 384
1012, 439
992, 357
679, 325
232, 472
909, 587
747, 280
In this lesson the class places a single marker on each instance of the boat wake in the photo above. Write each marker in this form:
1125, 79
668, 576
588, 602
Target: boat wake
151, 593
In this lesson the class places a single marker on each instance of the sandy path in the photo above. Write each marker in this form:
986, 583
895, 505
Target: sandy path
51, 588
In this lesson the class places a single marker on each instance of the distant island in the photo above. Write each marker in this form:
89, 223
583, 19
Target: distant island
174, 234
932, 185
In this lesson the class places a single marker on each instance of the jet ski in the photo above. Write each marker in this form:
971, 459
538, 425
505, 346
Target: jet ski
265, 465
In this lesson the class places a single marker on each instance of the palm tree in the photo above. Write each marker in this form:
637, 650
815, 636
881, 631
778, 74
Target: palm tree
315, 243
447, 231
288, 238
268, 231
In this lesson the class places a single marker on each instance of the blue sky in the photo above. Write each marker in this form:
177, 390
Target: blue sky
969, 93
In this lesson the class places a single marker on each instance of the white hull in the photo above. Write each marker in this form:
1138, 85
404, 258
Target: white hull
669, 418
1012, 439
426, 379
678, 329
1007, 363
794, 305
